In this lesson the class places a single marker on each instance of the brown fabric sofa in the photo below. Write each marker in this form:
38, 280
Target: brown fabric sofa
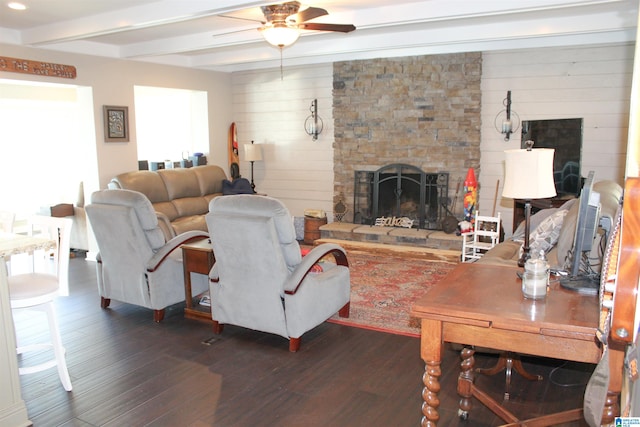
508, 252
180, 197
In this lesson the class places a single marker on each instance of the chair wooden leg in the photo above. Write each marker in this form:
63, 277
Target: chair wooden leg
104, 302
217, 327
158, 315
344, 311
294, 344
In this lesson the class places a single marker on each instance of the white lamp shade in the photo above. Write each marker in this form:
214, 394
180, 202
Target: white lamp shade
529, 174
280, 35
252, 153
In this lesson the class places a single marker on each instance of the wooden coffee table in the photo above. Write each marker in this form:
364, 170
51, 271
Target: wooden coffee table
482, 305
197, 257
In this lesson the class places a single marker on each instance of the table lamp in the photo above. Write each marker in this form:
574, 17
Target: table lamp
528, 176
252, 153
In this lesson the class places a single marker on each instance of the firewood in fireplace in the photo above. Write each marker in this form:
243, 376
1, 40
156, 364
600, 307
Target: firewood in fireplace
408, 207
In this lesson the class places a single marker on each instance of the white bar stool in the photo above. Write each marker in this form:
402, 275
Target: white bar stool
37, 291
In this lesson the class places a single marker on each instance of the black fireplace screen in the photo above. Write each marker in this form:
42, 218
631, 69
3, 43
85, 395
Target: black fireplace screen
401, 191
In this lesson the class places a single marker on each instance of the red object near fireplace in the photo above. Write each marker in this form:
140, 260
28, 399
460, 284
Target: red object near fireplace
470, 196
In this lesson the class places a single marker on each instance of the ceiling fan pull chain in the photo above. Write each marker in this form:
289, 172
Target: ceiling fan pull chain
281, 72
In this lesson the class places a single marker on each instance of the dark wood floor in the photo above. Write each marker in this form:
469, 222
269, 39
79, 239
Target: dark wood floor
128, 371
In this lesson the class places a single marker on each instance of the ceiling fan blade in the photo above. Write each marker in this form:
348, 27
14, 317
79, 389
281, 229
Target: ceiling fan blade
309, 14
242, 19
341, 28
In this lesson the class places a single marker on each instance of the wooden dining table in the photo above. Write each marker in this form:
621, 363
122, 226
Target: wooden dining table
13, 411
482, 305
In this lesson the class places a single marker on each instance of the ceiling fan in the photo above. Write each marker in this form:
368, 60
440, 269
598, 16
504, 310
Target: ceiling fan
284, 22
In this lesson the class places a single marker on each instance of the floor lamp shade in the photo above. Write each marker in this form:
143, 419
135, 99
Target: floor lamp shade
529, 174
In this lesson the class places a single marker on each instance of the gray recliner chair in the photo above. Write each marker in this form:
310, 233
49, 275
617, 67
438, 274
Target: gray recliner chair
135, 264
260, 279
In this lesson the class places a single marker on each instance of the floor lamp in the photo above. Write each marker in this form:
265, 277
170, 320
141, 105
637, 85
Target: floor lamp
528, 176
252, 153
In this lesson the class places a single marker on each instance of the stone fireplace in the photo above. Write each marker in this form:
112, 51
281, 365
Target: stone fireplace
400, 191
422, 113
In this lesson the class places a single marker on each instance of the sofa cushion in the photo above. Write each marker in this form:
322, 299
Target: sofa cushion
189, 223
180, 183
209, 179
506, 253
188, 206
146, 182
610, 195
166, 208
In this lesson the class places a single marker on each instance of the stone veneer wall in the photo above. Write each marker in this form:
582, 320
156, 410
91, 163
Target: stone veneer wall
421, 110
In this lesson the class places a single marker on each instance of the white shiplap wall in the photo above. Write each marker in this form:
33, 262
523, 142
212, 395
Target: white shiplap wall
591, 82
271, 111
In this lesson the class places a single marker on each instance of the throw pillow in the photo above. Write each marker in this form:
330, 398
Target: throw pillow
534, 221
237, 186
537, 218
545, 236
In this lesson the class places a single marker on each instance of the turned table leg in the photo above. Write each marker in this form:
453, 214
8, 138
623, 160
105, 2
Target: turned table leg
465, 381
431, 402
431, 353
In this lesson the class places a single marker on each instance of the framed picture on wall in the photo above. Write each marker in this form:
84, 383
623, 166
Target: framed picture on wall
116, 123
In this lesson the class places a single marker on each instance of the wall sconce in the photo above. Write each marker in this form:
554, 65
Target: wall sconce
509, 122
313, 124
252, 153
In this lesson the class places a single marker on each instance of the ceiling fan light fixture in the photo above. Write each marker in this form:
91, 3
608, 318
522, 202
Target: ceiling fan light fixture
280, 35
16, 5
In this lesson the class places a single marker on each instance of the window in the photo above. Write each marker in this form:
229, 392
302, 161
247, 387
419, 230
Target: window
171, 124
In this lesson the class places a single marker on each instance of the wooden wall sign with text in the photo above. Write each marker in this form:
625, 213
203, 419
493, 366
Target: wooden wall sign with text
49, 69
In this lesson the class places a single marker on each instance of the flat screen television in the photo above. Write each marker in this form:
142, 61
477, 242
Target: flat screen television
565, 137
578, 278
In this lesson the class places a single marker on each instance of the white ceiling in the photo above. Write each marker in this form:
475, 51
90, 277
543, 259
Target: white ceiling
222, 34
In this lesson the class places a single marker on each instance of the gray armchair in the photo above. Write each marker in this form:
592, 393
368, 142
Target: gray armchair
260, 280
135, 264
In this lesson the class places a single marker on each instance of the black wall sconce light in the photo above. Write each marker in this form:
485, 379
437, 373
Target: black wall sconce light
313, 124
507, 121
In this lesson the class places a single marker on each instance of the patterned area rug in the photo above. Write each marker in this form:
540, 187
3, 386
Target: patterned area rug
385, 285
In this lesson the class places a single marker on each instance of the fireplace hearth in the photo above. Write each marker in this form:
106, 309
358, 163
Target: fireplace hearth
401, 191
